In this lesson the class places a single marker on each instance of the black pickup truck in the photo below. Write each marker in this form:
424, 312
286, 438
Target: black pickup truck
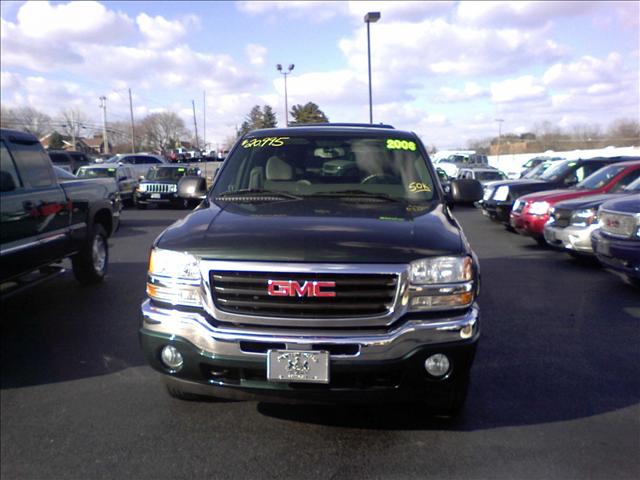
323, 266
45, 220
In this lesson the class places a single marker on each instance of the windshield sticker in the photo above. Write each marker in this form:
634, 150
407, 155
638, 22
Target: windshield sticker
392, 219
419, 187
264, 142
112, 169
181, 169
401, 145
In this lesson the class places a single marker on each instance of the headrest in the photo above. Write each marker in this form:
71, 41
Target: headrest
278, 169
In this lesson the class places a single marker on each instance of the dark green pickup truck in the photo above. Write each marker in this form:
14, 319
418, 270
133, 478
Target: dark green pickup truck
323, 266
45, 220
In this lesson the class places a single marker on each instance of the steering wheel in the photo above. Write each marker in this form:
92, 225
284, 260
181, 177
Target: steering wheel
379, 178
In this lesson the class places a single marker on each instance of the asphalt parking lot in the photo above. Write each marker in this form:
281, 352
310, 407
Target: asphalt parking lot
555, 392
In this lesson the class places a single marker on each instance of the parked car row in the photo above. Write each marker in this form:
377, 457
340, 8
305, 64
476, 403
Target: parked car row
585, 207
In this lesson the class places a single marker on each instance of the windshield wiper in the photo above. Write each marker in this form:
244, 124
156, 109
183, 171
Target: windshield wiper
356, 193
248, 192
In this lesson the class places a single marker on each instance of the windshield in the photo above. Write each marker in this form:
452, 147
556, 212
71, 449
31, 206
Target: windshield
322, 164
165, 173
538, 170
489, 175
96, 172
601, 177
558, 170
633, 186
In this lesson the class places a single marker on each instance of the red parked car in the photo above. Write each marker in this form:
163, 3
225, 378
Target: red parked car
531, 212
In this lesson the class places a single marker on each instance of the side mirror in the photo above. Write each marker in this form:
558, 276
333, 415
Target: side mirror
6, 182
466, 191
141, 177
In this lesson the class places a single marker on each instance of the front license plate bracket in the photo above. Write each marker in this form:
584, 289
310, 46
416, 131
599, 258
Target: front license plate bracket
298, 366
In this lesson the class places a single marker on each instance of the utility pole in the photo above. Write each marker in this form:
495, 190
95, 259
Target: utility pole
73, 130
195, 124
499, 120
103, 106
204, 120
204, 129
133, 134
286, 106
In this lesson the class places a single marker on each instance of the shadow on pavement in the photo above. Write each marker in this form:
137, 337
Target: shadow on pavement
60, 331
559, 342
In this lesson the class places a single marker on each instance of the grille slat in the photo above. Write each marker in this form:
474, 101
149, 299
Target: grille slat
356, 295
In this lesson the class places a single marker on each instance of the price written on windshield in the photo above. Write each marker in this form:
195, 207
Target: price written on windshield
393, 144
264, 142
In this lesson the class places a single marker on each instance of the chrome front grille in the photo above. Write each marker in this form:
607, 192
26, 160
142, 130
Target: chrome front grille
618, 224
356, 294
561, 217
160, 187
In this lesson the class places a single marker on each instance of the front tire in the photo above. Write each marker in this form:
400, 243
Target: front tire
90, 264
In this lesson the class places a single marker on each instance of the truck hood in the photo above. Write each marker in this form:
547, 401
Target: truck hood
592, 201
626, 204
316, 230
553, 196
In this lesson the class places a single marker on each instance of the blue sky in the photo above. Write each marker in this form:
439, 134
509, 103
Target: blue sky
446, 70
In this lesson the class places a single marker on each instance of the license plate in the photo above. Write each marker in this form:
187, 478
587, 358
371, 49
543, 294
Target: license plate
298, 366
155, 195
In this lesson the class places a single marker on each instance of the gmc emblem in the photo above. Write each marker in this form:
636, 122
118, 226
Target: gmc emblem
291, 288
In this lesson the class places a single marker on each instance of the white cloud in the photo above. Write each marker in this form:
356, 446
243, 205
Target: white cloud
160, 32
316, 11
407, 53
75, 21
256, 53
585, 71
471, 91
517, 89
400, 11
521, 13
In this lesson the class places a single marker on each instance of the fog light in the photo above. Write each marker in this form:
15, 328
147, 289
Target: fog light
437, 365
171, 357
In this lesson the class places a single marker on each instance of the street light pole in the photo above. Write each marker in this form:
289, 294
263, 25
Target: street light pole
370, 17
499, 120
286, 106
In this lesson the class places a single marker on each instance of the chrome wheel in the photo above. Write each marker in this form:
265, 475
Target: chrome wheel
99, 253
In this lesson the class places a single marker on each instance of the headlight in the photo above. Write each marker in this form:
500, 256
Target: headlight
441, 283
539, 208
142, 187
437, 270
584, 218
174, 277
501, 193
517, 205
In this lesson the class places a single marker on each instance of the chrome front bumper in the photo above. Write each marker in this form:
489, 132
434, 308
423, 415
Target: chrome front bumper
392, 344
577, 239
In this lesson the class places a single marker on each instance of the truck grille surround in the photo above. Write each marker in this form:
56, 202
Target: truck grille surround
561, 217
356, 294
160, 187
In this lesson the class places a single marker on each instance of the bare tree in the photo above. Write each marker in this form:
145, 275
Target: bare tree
75, 123
28, 119
161, 131
625, 132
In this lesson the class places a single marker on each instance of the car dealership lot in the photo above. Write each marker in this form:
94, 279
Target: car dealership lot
555, 389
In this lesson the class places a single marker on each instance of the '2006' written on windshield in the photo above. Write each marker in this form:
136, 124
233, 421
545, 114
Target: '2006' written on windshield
264, 142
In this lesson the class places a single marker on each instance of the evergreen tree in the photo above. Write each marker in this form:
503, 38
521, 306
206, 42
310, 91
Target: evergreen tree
308, 113
55, 141
269, 117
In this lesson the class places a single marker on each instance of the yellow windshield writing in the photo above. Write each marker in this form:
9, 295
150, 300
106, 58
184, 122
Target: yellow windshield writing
419, 187
393, 144
264, 142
